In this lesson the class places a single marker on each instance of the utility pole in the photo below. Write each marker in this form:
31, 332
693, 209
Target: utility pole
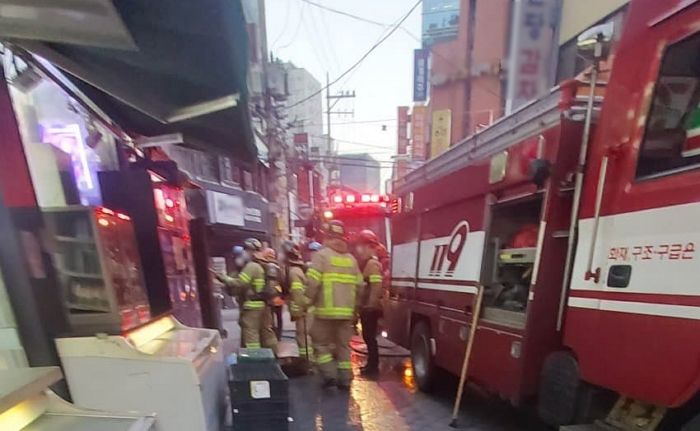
329, 110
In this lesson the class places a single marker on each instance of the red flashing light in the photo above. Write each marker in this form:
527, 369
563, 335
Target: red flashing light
374, 198
366, 198
350, 199
338, 199
104, 210
103, 222
169, 203
123, 216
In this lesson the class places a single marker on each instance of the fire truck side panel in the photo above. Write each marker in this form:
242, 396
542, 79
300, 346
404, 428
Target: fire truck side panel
635, 330
541, 337
507, 357
404, 259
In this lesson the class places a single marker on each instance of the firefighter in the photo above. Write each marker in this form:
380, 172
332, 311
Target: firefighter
255, 318
366, 248
334, 280
273, 288
296, 282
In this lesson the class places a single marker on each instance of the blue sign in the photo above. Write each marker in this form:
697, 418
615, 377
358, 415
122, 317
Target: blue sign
420, 75
440, 20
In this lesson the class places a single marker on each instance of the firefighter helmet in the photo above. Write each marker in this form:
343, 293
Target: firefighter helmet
291, 251
252, 244
335, 229
368, 237
269, 255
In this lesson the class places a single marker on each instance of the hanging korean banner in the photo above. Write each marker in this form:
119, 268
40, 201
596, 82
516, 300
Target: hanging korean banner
420, 74
419, 121
532, 42
441, 132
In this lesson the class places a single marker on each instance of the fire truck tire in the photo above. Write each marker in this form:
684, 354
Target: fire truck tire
421, 357
560, 390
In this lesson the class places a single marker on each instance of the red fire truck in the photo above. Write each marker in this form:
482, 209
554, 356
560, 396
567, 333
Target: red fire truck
585, 248
359, 211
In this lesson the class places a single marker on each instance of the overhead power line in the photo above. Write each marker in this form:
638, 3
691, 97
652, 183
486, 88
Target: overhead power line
359, 18
361, 59
362, 144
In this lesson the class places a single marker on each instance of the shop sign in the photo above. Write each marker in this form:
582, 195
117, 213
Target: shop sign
418, 135
441, 132
420, 75
440, 20
532, 39
225, 208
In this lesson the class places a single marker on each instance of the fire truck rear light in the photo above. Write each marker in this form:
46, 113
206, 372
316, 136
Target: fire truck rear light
328, 214
123, 216
366, 198
350, 199
338, 199
374, 198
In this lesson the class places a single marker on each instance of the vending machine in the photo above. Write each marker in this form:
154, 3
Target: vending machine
156, 203
99, 269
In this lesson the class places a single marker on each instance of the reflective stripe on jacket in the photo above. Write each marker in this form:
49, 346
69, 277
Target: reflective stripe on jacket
373, 289
252, 279
297, 285
333, 282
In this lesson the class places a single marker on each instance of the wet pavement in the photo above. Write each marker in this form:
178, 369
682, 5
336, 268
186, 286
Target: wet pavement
390, 402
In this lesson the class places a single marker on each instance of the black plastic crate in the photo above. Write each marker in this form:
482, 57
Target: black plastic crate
256, 355
262, 423
269, 380
259, 396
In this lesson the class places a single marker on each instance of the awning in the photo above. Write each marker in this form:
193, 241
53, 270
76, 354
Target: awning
187, 73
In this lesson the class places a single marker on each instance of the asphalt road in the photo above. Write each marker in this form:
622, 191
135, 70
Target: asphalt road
391, 402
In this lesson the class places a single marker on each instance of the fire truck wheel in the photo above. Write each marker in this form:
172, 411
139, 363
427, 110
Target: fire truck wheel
560, 389
421, 357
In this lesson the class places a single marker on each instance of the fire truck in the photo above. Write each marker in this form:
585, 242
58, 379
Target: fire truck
579, 217
359, 211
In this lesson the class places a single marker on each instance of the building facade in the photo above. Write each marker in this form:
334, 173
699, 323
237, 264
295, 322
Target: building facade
360, 172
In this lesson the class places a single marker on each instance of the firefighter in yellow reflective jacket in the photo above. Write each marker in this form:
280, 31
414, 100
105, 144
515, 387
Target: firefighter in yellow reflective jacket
366, 246
255, 318
334, 280
296, 283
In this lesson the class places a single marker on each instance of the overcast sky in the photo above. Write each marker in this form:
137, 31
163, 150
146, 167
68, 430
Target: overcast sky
322, 41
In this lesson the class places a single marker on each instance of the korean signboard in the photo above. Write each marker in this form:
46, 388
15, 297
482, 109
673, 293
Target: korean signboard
402, 141
402, 138
440, 20
441, 132
534, 24
420, 74
418, 132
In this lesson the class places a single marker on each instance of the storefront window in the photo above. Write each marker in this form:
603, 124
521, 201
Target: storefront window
65, 146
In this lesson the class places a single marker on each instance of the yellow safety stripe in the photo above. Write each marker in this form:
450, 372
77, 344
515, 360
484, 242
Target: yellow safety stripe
294, 307
341, 262
324, 358
336, 277
252, 345
253, 305
334, 312
344, 365
374, 278
314, 274
245, 277
258, 284
297, 285
303, 351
